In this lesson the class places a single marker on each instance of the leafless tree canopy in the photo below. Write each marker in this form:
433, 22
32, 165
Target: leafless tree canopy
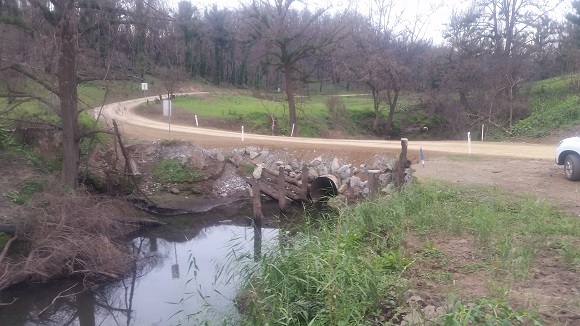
473, 77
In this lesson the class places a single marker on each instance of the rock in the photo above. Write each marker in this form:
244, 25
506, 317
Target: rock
345, 181
174, 191
288, 168
316, 162
312, 174
342, 188
253, 155
344, 171
220, 157
334, 166
322, 170
237, 159
356, 182
385, 178
280, 163
257, 174
296, 165
388, 189
292, 174
264, 155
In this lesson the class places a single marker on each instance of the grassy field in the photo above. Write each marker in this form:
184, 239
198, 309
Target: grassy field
362, 265
228, 105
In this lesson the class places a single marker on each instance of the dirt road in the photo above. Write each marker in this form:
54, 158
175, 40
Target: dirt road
522, 168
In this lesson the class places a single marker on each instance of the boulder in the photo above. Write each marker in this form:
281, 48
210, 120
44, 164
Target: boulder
257, 174
316, 162
334, 166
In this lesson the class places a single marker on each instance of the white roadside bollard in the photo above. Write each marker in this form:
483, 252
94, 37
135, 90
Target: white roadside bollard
469, 142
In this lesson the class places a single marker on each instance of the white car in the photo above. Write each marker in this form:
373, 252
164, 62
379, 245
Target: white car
568, 155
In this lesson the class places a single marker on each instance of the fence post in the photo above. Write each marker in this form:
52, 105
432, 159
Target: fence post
281, 189
304, 182
401, 164
373, 184
257, 201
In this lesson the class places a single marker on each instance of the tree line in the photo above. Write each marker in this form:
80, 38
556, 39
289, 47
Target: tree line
49, 47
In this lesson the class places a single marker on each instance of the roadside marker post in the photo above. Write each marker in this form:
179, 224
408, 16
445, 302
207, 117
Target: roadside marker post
242, 133
196, 124
469, 142
482, 132
421, 155
292, 133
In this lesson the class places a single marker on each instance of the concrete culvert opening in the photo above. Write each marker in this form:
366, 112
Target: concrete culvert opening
322, 188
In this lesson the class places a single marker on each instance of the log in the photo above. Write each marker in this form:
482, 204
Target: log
270, 191
293, 187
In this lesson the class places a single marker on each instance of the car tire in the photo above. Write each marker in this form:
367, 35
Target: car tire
572, 167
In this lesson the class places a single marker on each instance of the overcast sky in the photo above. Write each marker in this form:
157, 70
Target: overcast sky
436, 13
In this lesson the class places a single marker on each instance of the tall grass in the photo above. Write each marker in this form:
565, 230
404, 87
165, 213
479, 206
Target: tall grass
351, 266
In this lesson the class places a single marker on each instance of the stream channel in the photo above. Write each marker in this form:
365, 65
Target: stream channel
185, 275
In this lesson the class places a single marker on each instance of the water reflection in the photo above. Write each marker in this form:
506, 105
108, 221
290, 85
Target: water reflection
177, 278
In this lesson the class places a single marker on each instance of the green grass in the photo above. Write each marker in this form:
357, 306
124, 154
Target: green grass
236, 105
555, 104
351, 267
171, 171
25, 190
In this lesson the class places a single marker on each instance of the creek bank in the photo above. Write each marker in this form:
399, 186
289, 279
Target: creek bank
225, 174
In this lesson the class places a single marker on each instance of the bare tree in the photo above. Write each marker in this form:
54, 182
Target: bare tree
291, 36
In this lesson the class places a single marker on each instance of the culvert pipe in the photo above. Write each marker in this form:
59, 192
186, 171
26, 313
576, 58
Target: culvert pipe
324, 187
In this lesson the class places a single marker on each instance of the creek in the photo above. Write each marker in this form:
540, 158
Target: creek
184, 274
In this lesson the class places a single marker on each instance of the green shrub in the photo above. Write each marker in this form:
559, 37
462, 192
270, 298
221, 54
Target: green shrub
171, 171
487, 311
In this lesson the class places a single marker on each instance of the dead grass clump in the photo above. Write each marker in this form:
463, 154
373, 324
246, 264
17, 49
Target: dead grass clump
71, 234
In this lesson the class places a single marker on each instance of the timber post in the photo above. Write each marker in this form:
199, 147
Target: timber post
281, 189
304, 194
401, 164
257, 239
257, 201
373, 184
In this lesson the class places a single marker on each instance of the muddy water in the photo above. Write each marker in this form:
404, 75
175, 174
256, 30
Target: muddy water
181, 277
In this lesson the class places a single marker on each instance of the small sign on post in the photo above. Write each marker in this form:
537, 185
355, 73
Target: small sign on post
167, 112
166, 108
144, 87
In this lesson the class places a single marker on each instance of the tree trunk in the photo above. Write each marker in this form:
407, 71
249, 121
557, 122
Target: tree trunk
392, 106
67, 92
290, 94
376, 105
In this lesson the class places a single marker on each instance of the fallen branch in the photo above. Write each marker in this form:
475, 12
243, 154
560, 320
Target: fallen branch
7, 246
58, 297
8, 303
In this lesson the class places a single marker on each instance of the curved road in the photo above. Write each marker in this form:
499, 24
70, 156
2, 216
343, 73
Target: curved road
135, 125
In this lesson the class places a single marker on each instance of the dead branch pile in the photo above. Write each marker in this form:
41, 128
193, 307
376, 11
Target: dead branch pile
71, 234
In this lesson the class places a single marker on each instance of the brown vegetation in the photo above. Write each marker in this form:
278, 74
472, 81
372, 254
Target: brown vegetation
69, 234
